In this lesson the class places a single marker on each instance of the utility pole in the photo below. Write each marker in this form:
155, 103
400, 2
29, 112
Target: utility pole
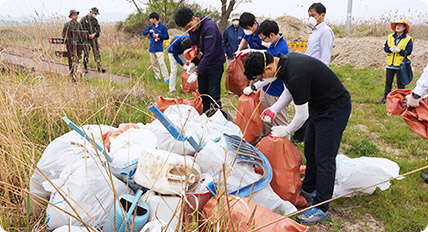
349, 17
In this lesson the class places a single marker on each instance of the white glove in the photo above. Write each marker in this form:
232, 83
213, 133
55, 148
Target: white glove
192, 78
280, 131
247, 90
185, 67
411, 101
268, 115
191, 68
242, 53
394, 49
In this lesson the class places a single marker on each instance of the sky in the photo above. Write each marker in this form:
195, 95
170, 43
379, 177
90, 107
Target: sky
114, 10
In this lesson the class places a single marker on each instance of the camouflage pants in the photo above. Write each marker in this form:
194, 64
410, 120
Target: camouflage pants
96, 50
74, 55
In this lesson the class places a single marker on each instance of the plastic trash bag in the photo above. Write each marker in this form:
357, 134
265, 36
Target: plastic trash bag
157, 225
86, 187
114, 133
236, 80
285, 160
68, 228
247, 104
244, 215
353, 174
196, 101
186, 87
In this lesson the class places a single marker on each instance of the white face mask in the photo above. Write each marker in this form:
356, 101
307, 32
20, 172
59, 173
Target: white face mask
266, 44
312, 21
235, 22
247, 32
269, 80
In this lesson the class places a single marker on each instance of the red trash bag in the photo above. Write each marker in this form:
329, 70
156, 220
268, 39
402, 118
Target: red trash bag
245, 215
236, 81
190, 53
114, 133
186, 87
415, 117
247, 104
196, 101
286, 161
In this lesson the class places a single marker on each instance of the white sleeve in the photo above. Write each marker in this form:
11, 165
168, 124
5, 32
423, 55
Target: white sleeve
282, 101
257, 50
261, 83
302, 114
422, 83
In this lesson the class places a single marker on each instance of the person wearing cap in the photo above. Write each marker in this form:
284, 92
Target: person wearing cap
176, 48
276, 45
320, 99
71, 34
205, 34
90, 24
158, 33
397, 46
232, 37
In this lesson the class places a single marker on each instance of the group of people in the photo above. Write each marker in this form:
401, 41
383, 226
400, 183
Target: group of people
322, 103
82, 36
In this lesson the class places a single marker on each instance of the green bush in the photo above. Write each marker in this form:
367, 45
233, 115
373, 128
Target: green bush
363, 148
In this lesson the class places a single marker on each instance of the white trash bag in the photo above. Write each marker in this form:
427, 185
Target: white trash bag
68, 228
88, 189
353, 174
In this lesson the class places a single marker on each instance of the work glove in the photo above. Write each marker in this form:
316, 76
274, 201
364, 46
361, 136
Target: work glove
190, 67
242, 53
411, 101
280, 131
185, 67
247, 90
192, 78
394, 49
268, 115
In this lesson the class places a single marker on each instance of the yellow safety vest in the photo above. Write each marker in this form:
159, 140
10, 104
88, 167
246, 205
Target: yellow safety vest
393, 58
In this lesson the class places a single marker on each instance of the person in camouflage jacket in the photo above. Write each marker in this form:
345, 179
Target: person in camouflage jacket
73, 35
90, 24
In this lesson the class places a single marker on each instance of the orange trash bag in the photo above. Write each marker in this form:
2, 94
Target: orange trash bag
114, 133
415, 117
245, 215
286, 161
190, 53
246, 106
186, 87
236, 81
196, 101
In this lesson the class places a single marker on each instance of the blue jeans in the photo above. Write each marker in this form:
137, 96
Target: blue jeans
209, 83
323, 135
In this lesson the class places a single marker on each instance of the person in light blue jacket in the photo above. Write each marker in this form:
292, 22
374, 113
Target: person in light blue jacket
158, 33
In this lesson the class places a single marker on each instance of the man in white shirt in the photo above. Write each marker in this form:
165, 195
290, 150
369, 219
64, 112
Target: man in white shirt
320, 45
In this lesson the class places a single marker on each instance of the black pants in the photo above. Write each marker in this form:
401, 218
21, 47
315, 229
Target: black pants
209, 83
323, 135
390, 78
96, 50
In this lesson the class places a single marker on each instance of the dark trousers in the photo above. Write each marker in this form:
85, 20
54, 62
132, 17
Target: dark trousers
209, 83
96, 50
390, 78
323, 135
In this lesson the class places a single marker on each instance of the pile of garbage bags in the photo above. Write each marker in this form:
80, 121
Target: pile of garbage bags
148, 180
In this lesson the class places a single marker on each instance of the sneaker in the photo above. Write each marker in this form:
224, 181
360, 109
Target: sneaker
166, 81
308, 196
381, 101
156, 80
425, 177
312, 216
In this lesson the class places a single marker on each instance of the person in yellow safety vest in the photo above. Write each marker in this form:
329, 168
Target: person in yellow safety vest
398, 45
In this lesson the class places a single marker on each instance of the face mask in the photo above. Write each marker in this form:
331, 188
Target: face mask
266, 44
235, 22
312, 21
247, 32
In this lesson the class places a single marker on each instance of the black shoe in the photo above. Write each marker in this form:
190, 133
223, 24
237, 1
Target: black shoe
381, 101
102, 70
86, 70
425, 177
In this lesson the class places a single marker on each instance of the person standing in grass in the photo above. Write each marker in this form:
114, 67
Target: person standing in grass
71, 34
158, 33
397, 46
232, 37
204, 33
90, 24
175, 54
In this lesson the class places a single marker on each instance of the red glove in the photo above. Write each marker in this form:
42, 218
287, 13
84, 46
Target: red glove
268, 115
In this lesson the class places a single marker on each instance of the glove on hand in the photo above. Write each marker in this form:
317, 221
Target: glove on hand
394, 49
411, 101
268, 115
247, 90
190, 67
242, 53
192, 78
280, 131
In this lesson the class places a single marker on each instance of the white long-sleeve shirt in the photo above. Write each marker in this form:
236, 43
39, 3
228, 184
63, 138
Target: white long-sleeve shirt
422, 83
320, 43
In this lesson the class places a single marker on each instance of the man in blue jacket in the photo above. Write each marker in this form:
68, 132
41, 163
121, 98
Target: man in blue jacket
232, 37
158, 33
205, 34
175, 54
251, 38
276, 45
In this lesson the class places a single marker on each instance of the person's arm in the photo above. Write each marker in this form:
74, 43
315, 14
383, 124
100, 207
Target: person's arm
409, 49
386, 47
422, 83
243, 44
175, 53
326, 43
163, 35
97, 28
209, 50
65, 31
147, 30
283, 101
